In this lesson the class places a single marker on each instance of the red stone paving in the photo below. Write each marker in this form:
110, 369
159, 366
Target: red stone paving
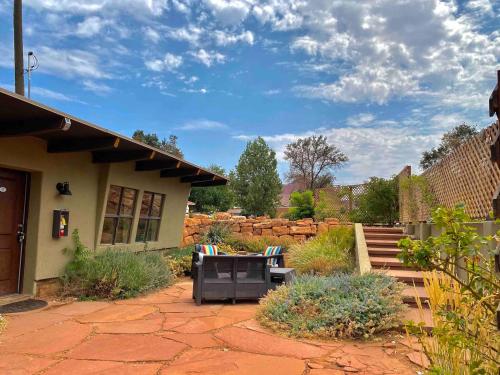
166, 333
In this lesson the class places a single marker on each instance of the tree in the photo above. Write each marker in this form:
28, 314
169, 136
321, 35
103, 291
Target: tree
214, 198
152, 139
312, 160
302, 205
449, 141
255, 181
379, 202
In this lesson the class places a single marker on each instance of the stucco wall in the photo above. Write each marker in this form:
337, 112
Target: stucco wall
89, 184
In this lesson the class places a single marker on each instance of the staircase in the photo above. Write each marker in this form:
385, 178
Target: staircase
382, 251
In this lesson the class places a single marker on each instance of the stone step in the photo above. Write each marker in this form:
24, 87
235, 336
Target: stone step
381, 243
417, 316
383, 251
382, 230
386, 262
385, 236
13, 298
411, 292
406, 276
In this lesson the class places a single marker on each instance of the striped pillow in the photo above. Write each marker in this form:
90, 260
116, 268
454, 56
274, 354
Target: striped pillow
208, 249
272, 250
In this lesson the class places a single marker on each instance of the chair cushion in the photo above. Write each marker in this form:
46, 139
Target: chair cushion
272, 250
208, 249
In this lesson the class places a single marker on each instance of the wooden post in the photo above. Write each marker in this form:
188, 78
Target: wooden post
18, 47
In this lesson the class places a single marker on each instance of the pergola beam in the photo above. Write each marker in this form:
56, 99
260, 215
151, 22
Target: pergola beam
180, 172
32, 127
153, 165
198, 178
83, 144
121, 156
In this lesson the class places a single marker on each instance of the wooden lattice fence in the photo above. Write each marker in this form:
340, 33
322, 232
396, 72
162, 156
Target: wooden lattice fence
466, 176
342, 199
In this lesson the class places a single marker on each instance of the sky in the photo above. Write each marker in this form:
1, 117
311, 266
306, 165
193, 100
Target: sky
381, 79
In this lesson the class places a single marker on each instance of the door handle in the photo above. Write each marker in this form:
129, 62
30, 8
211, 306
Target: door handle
20, 233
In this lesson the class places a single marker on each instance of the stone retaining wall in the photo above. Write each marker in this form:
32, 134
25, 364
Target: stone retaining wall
299, 230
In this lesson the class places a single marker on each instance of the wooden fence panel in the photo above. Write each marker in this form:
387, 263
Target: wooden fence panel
467, 176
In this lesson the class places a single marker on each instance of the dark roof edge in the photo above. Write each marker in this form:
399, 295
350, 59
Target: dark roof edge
104, 130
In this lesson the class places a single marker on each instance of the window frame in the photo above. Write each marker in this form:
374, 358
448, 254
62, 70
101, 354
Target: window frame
117, 216
148, 218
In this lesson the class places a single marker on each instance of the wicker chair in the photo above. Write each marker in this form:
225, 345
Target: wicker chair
230, 277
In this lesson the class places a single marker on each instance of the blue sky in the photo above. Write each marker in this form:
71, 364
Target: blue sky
381, 79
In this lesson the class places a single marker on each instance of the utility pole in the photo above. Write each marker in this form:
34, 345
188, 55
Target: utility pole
18, 47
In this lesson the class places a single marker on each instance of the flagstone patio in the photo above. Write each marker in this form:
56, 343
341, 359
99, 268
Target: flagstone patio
166, 333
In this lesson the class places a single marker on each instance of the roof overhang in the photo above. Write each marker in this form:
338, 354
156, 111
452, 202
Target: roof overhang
64, 133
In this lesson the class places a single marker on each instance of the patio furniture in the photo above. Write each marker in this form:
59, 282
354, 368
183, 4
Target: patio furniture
279, 276
234, 277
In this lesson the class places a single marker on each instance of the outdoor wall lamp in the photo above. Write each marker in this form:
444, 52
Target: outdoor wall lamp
63, 188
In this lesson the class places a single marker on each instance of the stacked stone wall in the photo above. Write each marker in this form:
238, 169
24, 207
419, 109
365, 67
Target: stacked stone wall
197, 225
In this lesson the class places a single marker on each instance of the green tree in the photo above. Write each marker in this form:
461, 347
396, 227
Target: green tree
449, 141
168, 145
302, 205
379, 202
255, 181
214, 198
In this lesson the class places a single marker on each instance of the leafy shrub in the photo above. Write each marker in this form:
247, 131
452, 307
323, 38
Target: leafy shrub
257, 244
179, 260
343, 305
379, 202
216, 234
465, 338
302, 205
113, 273
325, 206
324, 254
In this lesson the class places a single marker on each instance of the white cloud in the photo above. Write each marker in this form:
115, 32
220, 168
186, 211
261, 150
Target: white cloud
151, 34
203, 124
195, 91
272, 92
90, 26
190, 34
70, 63
208, 58
229, 12
169, 62
224, 39
360, 119
97, 88
378, 51
138, 8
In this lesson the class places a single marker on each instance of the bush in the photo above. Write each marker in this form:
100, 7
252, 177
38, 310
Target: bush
325, 206
302, 205
113, 274
216, 234
336, 306
324, 254
257, 244
179, 260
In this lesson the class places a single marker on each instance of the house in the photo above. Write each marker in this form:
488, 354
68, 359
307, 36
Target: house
59, 174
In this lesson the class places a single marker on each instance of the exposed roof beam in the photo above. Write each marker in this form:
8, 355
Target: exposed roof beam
32, 127
209, 183
121, 156
180, 172
152, 165
198, 178
82, 144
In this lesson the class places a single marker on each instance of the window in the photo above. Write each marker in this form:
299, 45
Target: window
149, 221
119, 215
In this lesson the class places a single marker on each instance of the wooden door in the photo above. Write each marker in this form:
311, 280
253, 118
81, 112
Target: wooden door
13, 185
